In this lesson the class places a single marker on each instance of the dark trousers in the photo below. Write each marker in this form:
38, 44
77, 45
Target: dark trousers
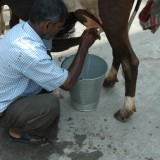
38, 115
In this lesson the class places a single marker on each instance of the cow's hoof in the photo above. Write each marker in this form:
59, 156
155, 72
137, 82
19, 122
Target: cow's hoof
109, 82
107, 85
123, 116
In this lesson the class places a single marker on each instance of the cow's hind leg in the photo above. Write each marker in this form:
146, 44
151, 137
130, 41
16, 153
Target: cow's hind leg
2, 23
13, 19
115, 24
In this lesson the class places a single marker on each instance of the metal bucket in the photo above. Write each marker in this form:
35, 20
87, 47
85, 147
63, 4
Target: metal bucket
86, 91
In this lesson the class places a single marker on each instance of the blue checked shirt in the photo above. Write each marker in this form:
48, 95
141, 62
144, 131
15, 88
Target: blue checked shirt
25, 66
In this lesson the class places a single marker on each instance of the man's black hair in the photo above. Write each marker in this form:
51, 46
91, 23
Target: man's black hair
51, 10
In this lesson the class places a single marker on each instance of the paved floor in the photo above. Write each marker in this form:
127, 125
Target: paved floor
97, 135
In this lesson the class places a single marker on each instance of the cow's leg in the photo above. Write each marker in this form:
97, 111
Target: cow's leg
69, 27
13, 19
114, 15
2, 23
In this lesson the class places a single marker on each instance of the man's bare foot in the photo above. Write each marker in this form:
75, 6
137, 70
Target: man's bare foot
14, 133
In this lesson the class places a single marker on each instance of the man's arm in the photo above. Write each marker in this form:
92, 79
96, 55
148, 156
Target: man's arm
87, 39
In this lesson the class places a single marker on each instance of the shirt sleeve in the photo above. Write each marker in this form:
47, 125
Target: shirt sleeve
46, 73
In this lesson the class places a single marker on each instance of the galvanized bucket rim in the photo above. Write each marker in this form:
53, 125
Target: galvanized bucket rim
88, 79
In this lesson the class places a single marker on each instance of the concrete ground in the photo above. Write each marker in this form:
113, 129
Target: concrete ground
97, 135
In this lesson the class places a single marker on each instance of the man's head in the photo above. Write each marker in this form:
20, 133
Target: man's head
48, 16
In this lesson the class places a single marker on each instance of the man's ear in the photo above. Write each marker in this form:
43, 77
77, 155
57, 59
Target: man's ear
45, 24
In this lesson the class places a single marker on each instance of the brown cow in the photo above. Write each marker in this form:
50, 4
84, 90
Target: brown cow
110, 16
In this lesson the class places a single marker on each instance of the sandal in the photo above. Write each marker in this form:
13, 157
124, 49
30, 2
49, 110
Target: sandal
26, 138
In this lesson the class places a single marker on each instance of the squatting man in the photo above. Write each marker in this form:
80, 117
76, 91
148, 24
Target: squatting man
28, 75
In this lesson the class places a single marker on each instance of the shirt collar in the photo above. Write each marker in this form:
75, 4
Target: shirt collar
27, 28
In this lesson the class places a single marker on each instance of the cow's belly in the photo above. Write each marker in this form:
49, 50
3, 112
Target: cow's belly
90, 6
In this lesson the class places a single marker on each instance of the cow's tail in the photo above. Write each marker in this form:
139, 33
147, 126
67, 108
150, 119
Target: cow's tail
134, 13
